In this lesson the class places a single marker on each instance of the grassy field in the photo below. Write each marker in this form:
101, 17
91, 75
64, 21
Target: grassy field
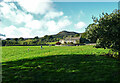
72, 63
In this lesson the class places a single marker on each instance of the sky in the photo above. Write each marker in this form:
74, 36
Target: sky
30, 18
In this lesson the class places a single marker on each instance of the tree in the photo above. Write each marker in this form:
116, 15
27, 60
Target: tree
36, 37
64, 37
70, 43
25, 43
50, 36
46, 36
77, 35
21, 38
16, 39
83, 35
92, 33
107, 31
3, 42
8, 39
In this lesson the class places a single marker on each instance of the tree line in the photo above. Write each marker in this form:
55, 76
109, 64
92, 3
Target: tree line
36, 40
28, 41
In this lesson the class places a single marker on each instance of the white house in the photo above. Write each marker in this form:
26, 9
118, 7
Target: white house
74, 40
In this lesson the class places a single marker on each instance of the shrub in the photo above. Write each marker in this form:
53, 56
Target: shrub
71, 43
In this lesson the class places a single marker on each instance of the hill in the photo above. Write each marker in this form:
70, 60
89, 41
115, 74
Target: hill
65, 33
58, 36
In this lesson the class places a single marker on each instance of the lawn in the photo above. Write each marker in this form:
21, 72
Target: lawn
54, 63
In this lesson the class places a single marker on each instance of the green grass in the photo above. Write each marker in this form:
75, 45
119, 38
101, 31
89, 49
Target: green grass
51, 42
72, 63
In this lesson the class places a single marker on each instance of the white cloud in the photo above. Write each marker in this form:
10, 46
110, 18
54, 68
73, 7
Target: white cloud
56, 26
5, 9
23, 17
34, 24
53, 14
52, 27
24, 24
9, 0
27, 17
63, 23
25, 32
10, 12
80, 25
13, 32
36, 6
13, 5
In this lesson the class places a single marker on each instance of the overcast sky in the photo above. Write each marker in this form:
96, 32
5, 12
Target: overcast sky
30, 18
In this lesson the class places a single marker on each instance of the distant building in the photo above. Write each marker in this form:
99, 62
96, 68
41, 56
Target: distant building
74, 40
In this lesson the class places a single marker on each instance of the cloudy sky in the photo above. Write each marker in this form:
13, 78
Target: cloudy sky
30, 18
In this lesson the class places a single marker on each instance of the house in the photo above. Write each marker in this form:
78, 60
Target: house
74, 40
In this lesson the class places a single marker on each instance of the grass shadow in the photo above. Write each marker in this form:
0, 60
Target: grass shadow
62, 68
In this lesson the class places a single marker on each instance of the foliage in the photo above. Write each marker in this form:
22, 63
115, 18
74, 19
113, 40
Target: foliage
83, 35
21, 38
106, 30
16, 39
65, 42
8, 39
77, 35
36, 37
70, 43
84, 40
92, 33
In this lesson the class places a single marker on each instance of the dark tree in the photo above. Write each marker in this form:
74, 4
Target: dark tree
36, 37
107, 31
21, 38
16, 39
8, 39
4, 42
